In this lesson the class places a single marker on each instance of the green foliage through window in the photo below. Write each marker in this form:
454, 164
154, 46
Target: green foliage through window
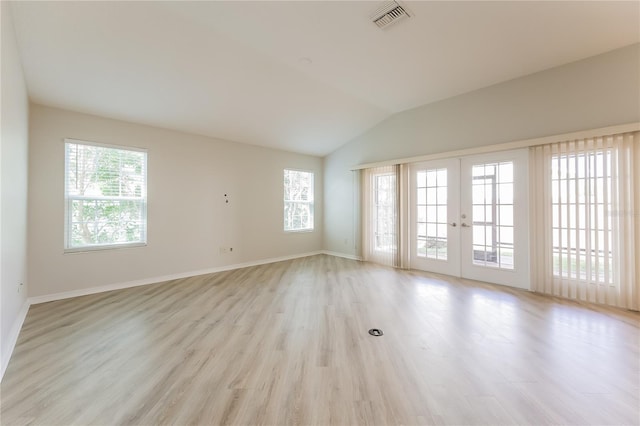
105, 194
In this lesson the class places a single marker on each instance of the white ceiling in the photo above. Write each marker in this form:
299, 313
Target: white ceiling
232, 70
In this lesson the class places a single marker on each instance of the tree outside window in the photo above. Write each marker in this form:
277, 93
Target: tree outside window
298, 200
106, 196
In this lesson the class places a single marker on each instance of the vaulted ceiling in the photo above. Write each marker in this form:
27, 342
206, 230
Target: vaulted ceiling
301, 76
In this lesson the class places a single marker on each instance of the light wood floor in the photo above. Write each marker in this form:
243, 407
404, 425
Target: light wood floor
287, 343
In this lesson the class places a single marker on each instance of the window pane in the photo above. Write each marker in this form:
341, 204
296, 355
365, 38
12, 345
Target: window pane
442, 231
298, 200
432, 214
505, 173
422, 196
478, 194
506, 215
478, 214
422, 214
421, 179
421, 248
431, 196
478, 235
422, 230
431, 230
432, 178
97, 222
442, 250
384, 208
506, 235
505, 193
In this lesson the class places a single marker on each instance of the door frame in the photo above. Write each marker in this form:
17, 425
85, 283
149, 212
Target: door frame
520, 276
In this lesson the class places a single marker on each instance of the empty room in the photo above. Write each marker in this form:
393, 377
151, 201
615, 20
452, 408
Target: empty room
320, 212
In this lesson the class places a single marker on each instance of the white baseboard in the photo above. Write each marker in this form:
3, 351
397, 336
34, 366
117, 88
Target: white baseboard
7, 350
155, 280
345, 255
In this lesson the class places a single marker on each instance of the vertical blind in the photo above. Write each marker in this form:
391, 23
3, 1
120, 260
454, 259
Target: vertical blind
381, 211
585, 202
585, 219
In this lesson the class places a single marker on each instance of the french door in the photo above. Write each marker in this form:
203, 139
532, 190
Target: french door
469, 217
435, 231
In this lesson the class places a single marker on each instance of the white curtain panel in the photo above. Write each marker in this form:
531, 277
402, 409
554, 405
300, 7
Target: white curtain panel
380, 215
586, 235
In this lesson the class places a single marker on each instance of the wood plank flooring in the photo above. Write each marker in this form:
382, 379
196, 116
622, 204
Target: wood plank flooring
287, 343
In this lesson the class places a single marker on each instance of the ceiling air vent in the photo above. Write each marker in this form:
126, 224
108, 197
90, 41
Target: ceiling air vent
388, 14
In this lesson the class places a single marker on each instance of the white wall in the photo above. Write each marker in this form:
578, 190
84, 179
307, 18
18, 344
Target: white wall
13, 181
597, 92
188, 220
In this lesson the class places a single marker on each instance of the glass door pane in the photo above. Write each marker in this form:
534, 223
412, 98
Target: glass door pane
431, 236
434, 198
494, 213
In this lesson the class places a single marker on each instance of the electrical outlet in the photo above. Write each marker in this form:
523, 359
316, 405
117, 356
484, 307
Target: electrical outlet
226, 250
20, 287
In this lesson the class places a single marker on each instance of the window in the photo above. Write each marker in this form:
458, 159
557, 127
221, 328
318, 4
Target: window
105, 196
385, 212
298, 200
586, 219
581, 196
381, 207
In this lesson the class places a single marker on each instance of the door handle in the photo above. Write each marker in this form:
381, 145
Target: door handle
454, 224
464, 225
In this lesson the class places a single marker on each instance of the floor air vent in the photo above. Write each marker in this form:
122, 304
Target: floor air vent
388, 14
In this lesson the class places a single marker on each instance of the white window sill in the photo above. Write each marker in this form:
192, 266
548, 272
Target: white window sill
298, 231
103, 247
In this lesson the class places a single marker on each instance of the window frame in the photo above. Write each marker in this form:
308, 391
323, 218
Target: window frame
389, 209
68, 218
311, 203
